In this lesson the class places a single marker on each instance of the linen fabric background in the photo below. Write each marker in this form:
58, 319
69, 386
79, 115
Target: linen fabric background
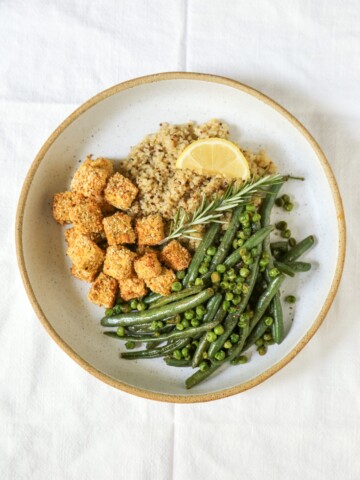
57, 421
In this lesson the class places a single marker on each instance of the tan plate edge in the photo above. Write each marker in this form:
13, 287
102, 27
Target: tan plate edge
189, 398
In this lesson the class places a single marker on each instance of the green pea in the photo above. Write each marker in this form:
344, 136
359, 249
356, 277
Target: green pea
177, 354
120, 331
159, 324
211, 251
290, 299
211, 337
185, 352
200, 310
281, 225
244, 218
286, 233
243, 252
259, 342
268, 321
247, 232
220, 355
141, 306
262, 350
240, 242
288, 206
279, 202
245, 288
224, 285
292, 242
263, 262
243, 359
215, 277
254, 251
185, 323
248, 261
256, 217
235, 244
267, 337
189, 314
125, 308
130, 345
221, 268
219, 330
180, 275
207, 259
203, 366
285, 198
274, 272
133, 304
236, 299
229, 296
180, 327
232, 309
199, 282
234, 338
225, 305
195, 322
250, 208
244, 272
227, 344
203, 269
153, 325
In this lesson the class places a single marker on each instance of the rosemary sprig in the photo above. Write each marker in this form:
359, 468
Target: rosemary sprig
212, 209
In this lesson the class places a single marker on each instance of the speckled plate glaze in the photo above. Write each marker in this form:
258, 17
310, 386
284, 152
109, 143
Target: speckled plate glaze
108, 125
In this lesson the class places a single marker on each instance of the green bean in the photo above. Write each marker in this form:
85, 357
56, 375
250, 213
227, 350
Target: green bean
298, 250
175, 296
200, 253
227, 239
201, 375
201, 348
265, 299
153, 344
173, 362
252, 242
158, 313
284, 268
281, 246
213, 312
156, 352
258, 332
175, 334
300, 266
276, 308
151, 298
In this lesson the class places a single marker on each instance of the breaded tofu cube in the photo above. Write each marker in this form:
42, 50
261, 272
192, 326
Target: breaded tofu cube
119, 262
132, 288
118, 229
147, 266
103, 291
163, 282
62, 205
85, 254
91, 177
72, 233
120, 191
150, 230
85, 275
175, 256
86, 216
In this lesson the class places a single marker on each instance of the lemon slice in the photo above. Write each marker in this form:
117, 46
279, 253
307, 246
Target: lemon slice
214, 156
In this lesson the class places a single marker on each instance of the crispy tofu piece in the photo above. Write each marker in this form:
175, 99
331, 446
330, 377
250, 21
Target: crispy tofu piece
72, 233
162, 283
86, 216
120, 191
85, 254
132, 288
175, 256
119, 262
103, 291
118, 229
106, 208
62, 205
91, 177
85, 275
147, 266
150, 230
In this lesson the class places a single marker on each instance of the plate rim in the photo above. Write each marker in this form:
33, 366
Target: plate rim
187, 397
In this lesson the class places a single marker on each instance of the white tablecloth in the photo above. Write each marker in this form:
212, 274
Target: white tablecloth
57, 421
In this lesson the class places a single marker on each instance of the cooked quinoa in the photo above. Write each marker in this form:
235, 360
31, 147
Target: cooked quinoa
162, 187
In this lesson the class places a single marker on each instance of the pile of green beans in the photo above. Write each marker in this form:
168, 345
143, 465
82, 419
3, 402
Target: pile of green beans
227, 300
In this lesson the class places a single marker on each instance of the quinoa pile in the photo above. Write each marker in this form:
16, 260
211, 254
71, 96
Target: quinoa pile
163, 188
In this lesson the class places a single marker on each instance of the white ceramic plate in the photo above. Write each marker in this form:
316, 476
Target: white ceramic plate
108, 125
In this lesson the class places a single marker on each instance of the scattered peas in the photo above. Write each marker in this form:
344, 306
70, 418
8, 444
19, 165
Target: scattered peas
288, 206
211, 251
244, 272
234, 338
211, 337
180, 327
227, 344
133, 304
203, 269
229, 296
274, 272
279, 202
215, 277
195, 322
285, 198
185, 323
250, 208
189, 314
220, 355
185, 352
221, 268
262, 350
256, 217
203, 366
177, 354
281, 225
219, 330
225, 305
286, 233
120, 331
269, 321
180, 275
199, 282
267, 337
290, 299
130, 345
